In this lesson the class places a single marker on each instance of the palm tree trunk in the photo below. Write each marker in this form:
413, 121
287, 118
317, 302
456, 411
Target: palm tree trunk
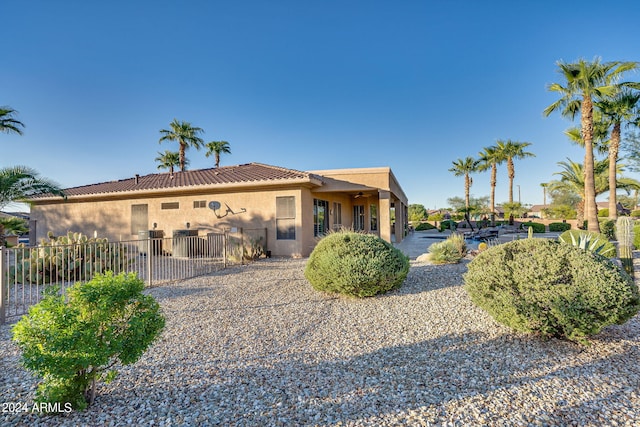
494, 171
614, 146
512, 174
591, 212
182, 156
467, 188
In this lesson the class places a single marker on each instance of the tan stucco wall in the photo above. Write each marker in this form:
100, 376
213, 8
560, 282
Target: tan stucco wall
112, 218
252, 208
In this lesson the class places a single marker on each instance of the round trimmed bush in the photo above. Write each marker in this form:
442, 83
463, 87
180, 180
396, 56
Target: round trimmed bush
546, 287
423, 226
356, 264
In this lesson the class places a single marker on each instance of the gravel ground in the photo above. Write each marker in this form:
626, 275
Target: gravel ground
257, 346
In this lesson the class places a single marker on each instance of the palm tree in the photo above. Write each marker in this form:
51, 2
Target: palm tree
491, 157
186, 135
8, 124
572, 179
465, 167
509, 151
623, 107
169, 160
544, 186
18, 184
217, 147
586, 81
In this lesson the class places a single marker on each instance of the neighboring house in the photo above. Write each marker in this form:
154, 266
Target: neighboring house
537, 211
294, 207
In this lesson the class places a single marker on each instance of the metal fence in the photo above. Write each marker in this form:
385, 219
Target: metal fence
25, 272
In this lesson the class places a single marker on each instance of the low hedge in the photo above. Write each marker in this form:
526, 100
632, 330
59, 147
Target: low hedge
423, 226
555, 290
537, 227
559, 226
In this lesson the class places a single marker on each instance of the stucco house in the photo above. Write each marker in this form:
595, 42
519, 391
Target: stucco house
294, 207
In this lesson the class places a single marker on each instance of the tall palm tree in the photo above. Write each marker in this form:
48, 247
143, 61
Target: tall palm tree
621, 108
586, 81
186, 135
8, 123
18, 183
544, 186
510, 151
217, 147
169, 160
465, 167
491, 158
572, 178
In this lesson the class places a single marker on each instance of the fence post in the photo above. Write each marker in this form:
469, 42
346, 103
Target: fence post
225, 242
3, 272
149, 263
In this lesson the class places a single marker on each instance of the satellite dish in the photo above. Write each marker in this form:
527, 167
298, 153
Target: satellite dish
214, 205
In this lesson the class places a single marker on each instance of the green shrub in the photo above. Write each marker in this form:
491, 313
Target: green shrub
589, 240
448, 224
559, 226
636, 236
355, 264
556, 290
608, 228
603, 213
635, 213
423, 226
73, 340
449, 251
537, 227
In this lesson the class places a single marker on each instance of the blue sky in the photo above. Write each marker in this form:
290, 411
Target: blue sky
307, 85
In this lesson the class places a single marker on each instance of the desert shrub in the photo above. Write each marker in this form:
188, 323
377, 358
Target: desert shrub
635, 213
603, 213
537, 227
424, 226
589, 240
355, 264
448, 224
553, 289
559, 226
449, 251
636, 236
72, 340
608, 228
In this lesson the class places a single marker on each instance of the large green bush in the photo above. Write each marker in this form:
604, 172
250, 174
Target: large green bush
356, 264
589, 240
546, 287
608, 228
448, 224
72, 340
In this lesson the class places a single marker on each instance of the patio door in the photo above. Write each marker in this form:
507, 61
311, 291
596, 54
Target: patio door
358, 217
320, 217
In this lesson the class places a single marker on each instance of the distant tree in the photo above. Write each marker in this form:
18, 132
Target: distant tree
477, 205
465, 167
631, 147
586, 81
619, 109
491, 158
169, 160
510, 151
417, 212
186, 135
216, 148
8, 122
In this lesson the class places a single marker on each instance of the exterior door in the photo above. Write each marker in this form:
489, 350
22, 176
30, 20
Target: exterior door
320, 217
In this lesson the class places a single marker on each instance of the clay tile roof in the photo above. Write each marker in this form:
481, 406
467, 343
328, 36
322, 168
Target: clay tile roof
247, 173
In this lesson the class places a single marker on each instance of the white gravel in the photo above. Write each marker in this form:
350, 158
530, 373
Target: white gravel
257, 346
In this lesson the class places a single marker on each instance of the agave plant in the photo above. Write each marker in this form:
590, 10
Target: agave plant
590, 241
